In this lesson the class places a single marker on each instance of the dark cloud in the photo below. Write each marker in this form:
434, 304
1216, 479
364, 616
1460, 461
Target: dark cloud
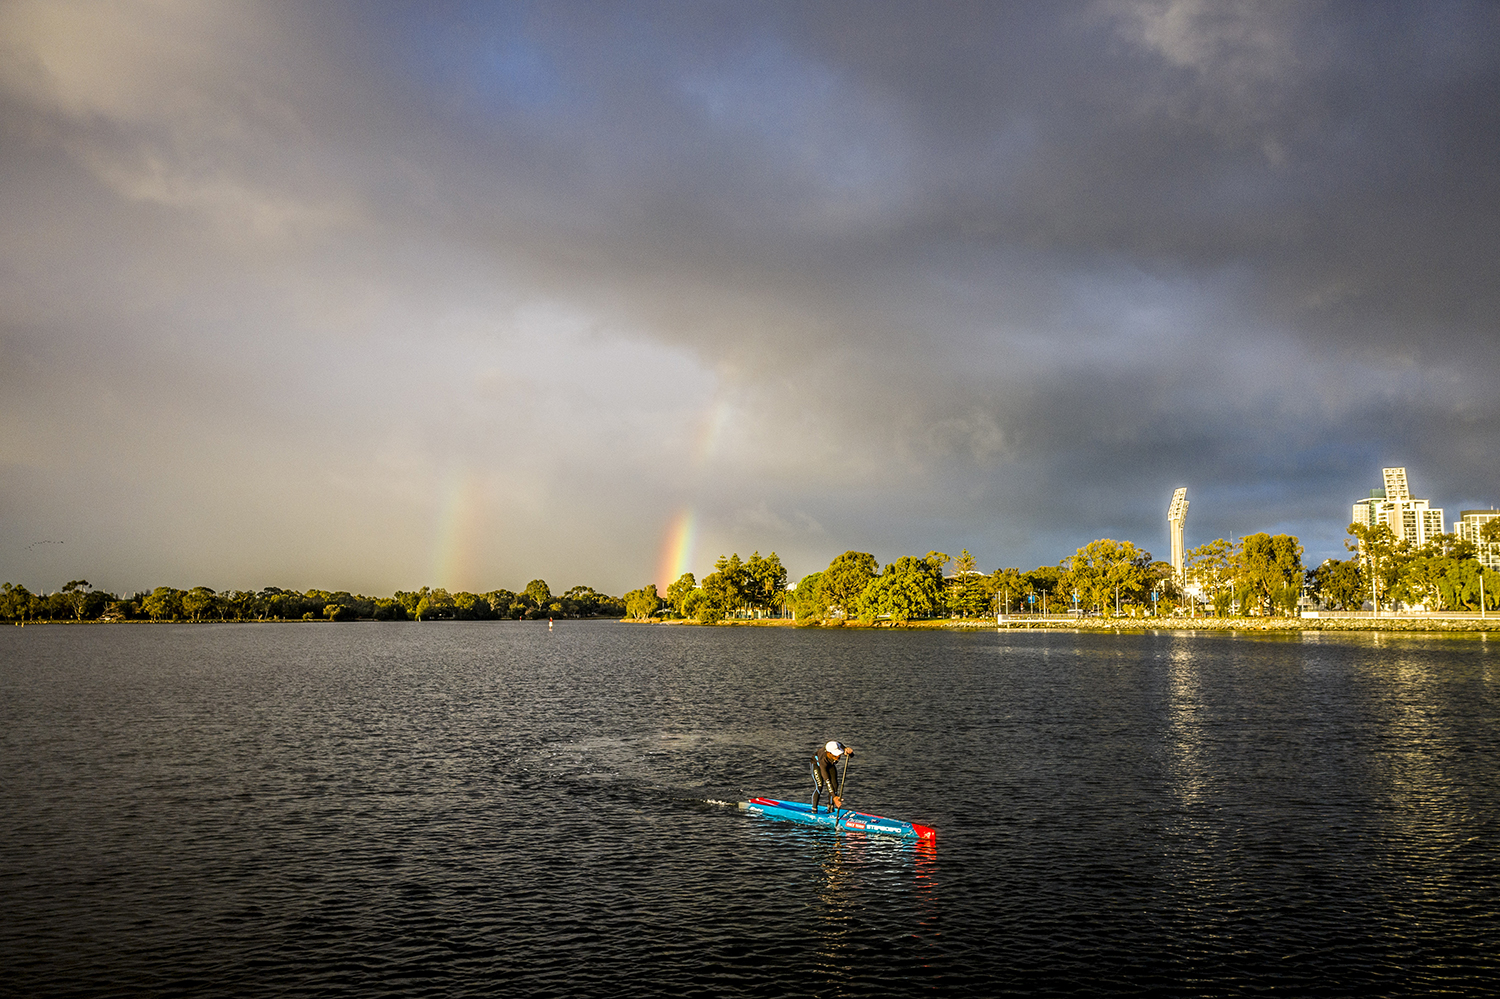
370, 296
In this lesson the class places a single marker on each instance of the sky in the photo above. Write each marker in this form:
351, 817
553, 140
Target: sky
373, 296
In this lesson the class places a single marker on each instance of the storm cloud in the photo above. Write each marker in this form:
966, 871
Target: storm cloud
368, 297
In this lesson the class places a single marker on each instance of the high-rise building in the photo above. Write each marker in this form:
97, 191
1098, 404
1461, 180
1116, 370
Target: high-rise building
1413, 520
1176, 516
1470, 523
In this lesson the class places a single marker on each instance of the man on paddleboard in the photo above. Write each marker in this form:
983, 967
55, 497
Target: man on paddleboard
825, 772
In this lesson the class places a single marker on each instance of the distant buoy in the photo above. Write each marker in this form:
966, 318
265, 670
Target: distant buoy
549, 624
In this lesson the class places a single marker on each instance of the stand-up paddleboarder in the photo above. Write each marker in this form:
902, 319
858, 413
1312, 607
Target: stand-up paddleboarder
825, 772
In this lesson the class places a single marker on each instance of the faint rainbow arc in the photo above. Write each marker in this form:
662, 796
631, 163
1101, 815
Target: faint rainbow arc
459, 531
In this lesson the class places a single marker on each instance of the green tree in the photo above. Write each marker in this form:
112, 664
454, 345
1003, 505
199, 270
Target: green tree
910, 587
1268, 566
76, 592
1011, 589
472, 607
1105, 571
806, 598
199, 602
1043, 583
1209, 569
967, 593
17, 603
1161, 580
678, 591
697, 606
1457, 585
643, 603
538, 594
1382, 556
164, 604
1339, 585
389, 609
733, 589
845, 579
766, 582
437, 605
500, 602
1422, 582
720, 597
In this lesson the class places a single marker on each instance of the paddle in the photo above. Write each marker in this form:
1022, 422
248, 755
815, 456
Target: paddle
844, 779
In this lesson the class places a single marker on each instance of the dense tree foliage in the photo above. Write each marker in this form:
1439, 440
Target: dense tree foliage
909, 588
1260, 574
78, 601
806, 598
970, 592
643, 603
1442, 575
845, 579
1107, 574
1272, 570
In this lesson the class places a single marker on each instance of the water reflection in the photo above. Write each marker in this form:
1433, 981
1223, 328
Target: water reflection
865, 880
1184, 733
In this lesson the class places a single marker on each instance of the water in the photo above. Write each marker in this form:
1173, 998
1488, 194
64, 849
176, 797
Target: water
496, 809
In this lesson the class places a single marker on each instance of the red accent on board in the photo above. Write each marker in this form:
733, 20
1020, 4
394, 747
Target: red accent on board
924, 832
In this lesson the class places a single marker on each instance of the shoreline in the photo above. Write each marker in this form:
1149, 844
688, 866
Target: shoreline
1275, 625
1285, 625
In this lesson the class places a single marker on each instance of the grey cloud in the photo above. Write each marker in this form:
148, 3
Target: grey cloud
1007, 271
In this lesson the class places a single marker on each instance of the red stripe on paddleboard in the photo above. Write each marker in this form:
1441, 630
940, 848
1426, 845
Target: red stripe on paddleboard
924, 832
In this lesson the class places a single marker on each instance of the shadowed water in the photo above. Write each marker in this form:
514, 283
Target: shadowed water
496, 809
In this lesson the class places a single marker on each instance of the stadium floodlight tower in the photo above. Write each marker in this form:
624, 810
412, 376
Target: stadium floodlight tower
1176, 515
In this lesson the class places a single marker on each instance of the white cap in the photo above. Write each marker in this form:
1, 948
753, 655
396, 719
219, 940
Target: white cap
834, 748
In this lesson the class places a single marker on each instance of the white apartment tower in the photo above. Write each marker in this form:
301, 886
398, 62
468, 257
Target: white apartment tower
1412, 520
1469, 524
1176, 516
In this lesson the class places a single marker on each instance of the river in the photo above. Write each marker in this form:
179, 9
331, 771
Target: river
502, 809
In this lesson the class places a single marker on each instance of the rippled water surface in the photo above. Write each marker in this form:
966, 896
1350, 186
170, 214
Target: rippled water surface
496, 809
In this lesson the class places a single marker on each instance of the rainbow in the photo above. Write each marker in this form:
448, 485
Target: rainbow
679, 545
677, 549
460, 528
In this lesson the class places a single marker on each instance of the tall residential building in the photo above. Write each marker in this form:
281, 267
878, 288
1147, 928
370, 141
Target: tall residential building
1412, 520
1176, 516
1469, 524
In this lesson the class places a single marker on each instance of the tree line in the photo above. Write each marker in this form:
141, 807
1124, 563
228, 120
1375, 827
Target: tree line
855, 587
1259, 574
79, 601
1443, 574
